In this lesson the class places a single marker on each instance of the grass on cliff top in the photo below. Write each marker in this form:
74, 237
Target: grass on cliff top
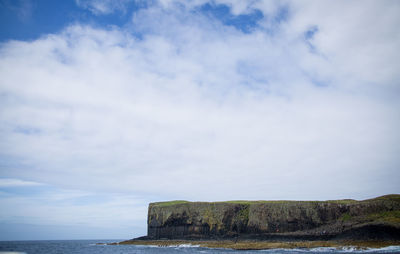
168, 203
387, 197
247, 202
394, 197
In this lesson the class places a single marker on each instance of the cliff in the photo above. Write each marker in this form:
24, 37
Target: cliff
377, 218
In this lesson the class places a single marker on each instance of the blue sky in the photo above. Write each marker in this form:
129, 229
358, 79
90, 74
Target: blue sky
28, 19
109, 105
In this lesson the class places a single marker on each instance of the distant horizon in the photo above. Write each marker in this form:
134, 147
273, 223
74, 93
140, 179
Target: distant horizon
77, 239
28, 240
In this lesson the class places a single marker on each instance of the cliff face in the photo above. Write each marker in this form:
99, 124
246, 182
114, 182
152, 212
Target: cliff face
374, 218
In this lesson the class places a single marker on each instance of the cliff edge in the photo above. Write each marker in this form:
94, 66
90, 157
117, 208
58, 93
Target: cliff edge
376, 219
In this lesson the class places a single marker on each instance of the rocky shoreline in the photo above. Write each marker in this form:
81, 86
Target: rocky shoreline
260, 245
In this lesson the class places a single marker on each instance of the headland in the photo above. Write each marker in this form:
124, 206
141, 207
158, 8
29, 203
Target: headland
274, 224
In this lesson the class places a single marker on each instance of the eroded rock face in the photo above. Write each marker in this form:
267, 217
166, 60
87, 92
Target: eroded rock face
276, 219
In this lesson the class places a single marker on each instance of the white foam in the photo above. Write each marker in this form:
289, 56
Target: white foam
353, 249
323, 249
347, 249
188, 245
389, 249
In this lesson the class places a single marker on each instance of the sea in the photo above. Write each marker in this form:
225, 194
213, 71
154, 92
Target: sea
101, 247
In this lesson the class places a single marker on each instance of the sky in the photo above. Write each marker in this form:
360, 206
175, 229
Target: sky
108, 105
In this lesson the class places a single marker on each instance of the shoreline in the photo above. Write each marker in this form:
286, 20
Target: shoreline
262, 244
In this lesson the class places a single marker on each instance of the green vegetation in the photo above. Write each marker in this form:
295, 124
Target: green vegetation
169, 203
249, 202
210, 219
346, 217
392, 217
388, 197
387, 216
243, 214
342, 201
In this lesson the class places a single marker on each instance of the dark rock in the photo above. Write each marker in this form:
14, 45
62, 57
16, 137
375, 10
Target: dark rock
377, 218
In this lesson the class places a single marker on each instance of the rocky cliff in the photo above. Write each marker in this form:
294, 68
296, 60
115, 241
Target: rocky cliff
377, 218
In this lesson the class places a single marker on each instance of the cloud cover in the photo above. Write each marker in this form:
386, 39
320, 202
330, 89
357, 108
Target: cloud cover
179, 104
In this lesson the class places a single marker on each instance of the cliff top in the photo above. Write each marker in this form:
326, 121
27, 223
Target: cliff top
395, 197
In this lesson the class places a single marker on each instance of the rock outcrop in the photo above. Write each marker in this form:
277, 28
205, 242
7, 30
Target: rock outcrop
377, 218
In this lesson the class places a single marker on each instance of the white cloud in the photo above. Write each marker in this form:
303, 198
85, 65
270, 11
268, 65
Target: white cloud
103, 7
7, 182
361, 48
198, 110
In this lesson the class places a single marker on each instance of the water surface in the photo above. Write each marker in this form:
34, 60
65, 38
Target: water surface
91, 247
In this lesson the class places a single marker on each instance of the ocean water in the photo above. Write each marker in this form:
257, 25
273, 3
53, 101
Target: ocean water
91, 247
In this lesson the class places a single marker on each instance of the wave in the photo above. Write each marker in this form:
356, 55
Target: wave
185, 246
169, 246
349, 249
